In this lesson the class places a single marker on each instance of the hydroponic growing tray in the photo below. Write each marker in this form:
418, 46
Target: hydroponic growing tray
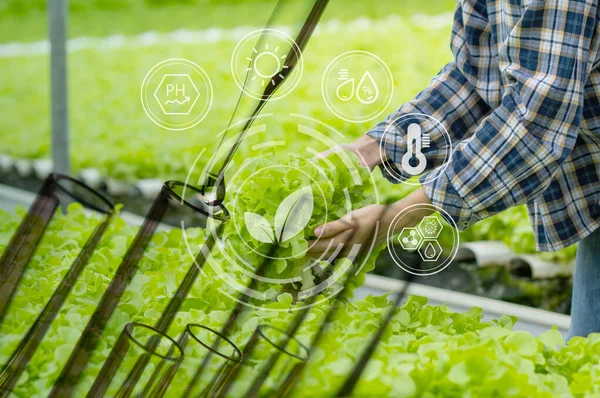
530, 319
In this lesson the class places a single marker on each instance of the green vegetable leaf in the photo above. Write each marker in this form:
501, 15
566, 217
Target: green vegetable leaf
293, 214
258, 227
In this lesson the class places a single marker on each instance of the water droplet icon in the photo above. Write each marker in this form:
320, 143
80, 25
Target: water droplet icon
367, 90
345, 91
429, 251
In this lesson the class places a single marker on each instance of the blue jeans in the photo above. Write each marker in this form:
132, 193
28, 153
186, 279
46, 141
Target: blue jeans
585, 309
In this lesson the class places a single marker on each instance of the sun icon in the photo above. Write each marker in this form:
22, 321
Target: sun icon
265, 64
262, 60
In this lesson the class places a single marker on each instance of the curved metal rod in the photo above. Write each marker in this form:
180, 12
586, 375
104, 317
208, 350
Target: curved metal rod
92, 333
354, 376
126, 348
214, 180
170, 312
22, 245
28, 346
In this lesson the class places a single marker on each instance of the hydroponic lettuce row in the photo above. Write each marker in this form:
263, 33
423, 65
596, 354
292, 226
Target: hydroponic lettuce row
427, 351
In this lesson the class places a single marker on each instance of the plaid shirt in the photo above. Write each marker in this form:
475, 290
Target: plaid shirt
521, 103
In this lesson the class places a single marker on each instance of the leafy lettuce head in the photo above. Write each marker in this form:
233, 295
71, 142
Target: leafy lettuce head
276, 206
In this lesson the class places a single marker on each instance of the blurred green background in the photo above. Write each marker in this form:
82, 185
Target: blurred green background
114, 43
104, 83
25, 20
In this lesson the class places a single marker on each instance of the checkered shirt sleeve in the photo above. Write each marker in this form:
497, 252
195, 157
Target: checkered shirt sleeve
507, 153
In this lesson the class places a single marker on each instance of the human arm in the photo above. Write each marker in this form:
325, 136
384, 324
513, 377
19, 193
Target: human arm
451, 98
459, 97
358, 230
513, 155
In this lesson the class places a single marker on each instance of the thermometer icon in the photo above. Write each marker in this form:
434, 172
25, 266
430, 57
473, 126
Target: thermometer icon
414, 147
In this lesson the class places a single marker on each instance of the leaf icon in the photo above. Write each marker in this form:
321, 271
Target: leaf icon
259, 228
293, 214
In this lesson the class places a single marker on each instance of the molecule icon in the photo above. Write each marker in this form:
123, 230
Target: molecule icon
423, 248
410, 238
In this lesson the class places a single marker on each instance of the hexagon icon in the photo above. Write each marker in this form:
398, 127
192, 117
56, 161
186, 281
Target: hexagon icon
430, 250
176, 94
410, 238
430, 227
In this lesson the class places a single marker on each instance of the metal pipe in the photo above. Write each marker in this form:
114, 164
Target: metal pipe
57, 30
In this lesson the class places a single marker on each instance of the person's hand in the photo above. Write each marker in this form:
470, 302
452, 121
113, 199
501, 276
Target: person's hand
350, 235
366, 148
362, 229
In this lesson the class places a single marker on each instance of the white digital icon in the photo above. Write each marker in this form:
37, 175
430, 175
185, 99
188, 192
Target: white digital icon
429, 240
357, 86
176, 94
366, 92
410, 238
430, 250
430, 228
259, 62
423, 238
265, 64
345, 91
415, 142
414, 132
292, 216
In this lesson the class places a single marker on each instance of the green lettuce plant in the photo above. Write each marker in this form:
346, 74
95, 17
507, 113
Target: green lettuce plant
275, 208
426, 351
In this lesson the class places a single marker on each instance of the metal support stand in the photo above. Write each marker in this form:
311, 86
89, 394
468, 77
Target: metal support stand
57, 25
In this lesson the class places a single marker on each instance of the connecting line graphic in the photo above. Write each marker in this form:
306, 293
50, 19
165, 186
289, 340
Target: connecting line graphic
176, 101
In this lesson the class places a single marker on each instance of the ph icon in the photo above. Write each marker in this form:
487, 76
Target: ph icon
176, 94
